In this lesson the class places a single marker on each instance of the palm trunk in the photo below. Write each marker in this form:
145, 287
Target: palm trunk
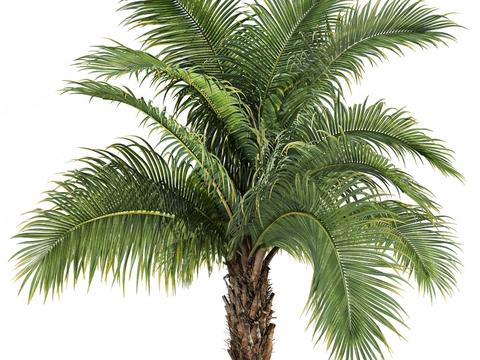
249, 306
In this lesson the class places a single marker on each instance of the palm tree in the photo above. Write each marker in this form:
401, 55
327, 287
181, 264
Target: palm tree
270, 160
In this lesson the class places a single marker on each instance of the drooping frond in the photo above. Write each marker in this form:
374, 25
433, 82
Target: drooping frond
215, 107
122, 213
366, 34
321, 205
191, 31
335, 157
189, 143
344, 238
388, 130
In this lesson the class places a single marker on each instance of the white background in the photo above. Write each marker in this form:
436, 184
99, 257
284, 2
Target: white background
41, 131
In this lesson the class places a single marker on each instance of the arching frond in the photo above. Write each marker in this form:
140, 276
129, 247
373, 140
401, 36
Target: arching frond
216, 111
215, 107
366, 34
265, 45
122, 213
425, 249
388, 130
189, 143
191, 31
344, 238
284, 27
334, 157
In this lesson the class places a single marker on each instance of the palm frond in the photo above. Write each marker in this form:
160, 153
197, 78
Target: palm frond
266, 43
204, 97
388, 130
332, 217
334, 157
281, 29
125, 212
368, 33
290, 23
189, 144
343, 237
191, 31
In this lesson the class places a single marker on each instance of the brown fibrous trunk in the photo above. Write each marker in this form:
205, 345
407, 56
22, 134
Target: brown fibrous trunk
249, 305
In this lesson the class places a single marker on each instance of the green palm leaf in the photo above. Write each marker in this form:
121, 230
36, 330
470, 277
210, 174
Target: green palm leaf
333, 157
282, 28
390, 131
270, 39
204, 96
368, 33
120, 211
191, 30
189, 143
344, 238
426, 249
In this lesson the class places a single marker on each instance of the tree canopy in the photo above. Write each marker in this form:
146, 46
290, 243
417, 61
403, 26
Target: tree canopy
270, 156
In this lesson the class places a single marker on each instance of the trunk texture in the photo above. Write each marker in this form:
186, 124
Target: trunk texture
249, 306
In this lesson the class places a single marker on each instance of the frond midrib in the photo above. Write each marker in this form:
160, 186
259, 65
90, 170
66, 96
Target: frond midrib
434, 159
62, 236
114, 214
378, 35
204, 36
406, 240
